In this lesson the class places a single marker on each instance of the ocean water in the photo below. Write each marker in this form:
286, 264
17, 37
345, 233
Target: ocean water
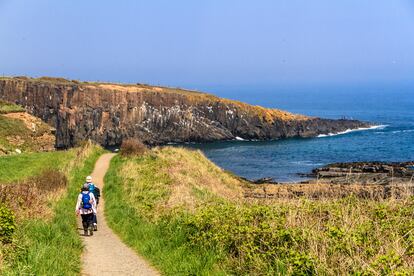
392, 109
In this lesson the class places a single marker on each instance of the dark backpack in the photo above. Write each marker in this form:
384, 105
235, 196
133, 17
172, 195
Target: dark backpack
86, 201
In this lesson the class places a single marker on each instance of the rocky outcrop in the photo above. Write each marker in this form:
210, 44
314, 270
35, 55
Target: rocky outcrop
22, 132
366, 173
108, 113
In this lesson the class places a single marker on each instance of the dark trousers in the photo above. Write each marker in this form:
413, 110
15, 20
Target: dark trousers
87, 221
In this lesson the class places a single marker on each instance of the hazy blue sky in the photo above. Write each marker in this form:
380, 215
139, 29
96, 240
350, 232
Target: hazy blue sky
204, 44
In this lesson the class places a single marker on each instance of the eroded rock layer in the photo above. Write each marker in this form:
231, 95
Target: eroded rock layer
108, 113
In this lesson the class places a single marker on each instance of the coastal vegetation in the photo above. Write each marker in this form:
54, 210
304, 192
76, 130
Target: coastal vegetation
187, 216
178, 209
6, 107
37, 191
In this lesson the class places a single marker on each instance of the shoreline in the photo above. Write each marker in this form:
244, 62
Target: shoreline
352, 130
359, 173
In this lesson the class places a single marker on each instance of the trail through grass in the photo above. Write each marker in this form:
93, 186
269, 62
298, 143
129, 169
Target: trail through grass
164, 242
189, 217
51, 246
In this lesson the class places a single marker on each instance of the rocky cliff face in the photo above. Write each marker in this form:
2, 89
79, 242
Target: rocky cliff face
108, 113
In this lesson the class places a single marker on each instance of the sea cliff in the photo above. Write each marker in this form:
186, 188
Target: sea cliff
108, 113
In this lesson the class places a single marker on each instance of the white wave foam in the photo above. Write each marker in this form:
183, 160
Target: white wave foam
306, 163
352, 130
239, 138
402, 131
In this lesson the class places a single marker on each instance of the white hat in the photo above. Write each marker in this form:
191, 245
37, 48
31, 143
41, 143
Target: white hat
89, 178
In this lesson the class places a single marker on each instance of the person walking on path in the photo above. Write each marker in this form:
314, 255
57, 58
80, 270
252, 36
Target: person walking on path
86, 207
97, 193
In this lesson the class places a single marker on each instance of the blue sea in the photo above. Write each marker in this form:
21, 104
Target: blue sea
390, 108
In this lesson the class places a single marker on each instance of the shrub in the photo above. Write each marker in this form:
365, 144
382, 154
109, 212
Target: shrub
28, 198
7, 224
49, 180
133, 147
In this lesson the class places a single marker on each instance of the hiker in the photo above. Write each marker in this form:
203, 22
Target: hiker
97, 193
86, 207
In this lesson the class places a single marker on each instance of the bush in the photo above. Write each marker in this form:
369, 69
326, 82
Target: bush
49, 180
7, 224
131, 147
28, 198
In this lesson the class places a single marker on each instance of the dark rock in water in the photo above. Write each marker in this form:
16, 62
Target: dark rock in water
265, 180
366, 172
306, 175
108, 113
397, 169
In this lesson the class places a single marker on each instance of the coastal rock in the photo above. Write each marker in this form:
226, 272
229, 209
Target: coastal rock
366, 172
108, 113
264, 180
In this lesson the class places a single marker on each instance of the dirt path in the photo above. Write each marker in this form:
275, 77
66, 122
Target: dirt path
104, 253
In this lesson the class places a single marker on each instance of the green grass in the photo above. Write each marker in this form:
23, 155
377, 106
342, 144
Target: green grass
165, 242
6, 107
194, 233
19, 167
52, 247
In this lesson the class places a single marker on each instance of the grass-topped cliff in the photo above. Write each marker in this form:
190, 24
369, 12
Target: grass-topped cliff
190, 217
193, 95
108, 113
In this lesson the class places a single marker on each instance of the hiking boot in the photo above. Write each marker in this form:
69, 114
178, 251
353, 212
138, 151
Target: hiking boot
91, 231
85, 232
95, 227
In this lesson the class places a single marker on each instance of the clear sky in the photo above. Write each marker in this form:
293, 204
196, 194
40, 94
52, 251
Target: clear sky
211, 43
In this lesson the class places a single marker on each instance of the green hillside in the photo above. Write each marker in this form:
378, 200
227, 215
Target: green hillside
189, 217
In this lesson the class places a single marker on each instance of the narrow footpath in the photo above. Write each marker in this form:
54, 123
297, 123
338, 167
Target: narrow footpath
104, 252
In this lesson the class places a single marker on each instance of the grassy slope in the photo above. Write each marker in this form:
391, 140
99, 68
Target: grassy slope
157, 235
18, 167
9, 127
49, 246
6, 107
15, 133
184, 221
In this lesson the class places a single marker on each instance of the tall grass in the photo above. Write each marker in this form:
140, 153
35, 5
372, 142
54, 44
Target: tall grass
53, 246
186, 216
165, 242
